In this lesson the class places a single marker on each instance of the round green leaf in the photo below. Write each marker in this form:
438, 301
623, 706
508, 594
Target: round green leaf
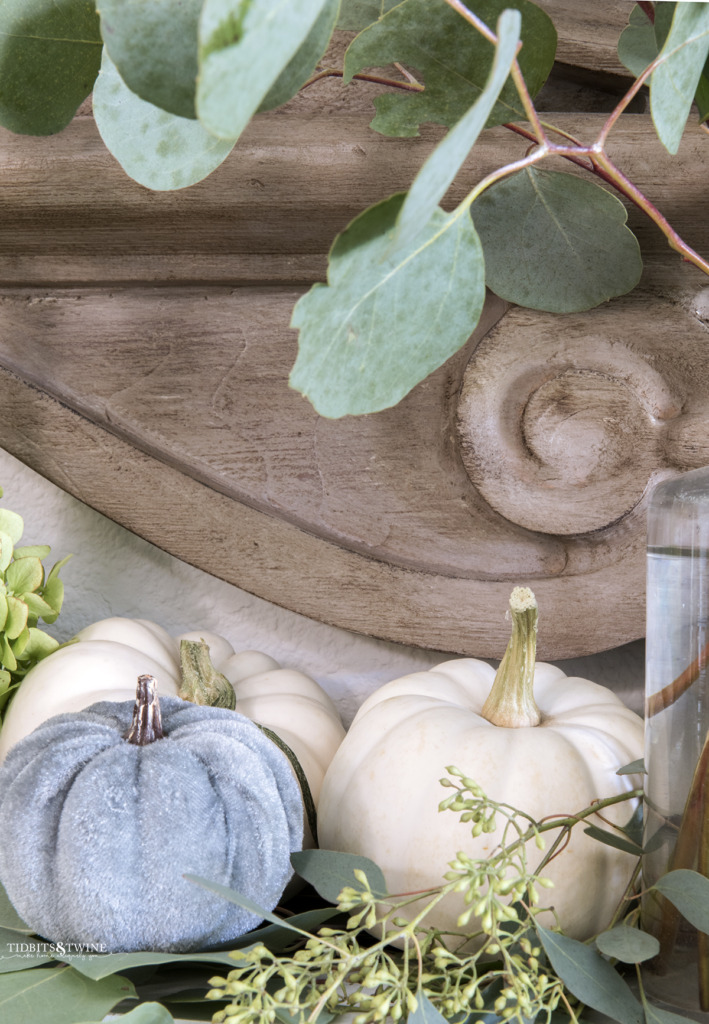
3, 610
58, 566
359, 349
24, 575
156, 149
153, 43
440, 169
244, 47
6, 550
356, 15
688, 891
637, 45
451, 58
50, 51
590, 978
7, 658
39, 645
630, 945
53, 594
675, 80
330, 871
11, 524
33, 551
305, 60
16, 621
19, 644
60, 995
37, 606
555, 242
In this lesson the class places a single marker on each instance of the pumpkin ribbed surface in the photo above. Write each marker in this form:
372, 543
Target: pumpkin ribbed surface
98, 832
381, 792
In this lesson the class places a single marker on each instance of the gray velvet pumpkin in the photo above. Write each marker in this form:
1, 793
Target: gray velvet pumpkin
97, 832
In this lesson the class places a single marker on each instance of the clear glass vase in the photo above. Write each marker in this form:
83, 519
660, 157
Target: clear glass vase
676, 730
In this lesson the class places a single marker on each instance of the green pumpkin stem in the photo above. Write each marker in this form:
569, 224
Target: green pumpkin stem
511, 701
146, 726
201, 683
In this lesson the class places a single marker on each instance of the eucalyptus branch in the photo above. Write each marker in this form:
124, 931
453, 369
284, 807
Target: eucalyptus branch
621, 911
498, 966
592, 159
670, 693
588, 812
410, 85
632, 192
624, 102
572, 155
602, 166
535, 157
599, 162
517, 76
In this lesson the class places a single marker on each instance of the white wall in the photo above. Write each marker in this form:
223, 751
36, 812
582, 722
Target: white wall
114, 572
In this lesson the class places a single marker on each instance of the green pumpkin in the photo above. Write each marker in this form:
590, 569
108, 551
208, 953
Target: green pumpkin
103, 811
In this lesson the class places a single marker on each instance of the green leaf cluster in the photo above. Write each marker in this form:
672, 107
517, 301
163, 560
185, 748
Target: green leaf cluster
357, 955
509, 966
26, 596
453, 61
175, 85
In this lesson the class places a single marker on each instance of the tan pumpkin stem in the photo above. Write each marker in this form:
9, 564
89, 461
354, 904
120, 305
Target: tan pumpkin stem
146, 726
201, 683
511, 702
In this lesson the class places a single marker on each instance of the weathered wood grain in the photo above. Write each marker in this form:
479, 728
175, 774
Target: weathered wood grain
295, 568
269, 214
144, 358
588, 33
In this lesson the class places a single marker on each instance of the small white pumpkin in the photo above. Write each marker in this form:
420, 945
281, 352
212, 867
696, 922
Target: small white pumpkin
554, 755
110, 654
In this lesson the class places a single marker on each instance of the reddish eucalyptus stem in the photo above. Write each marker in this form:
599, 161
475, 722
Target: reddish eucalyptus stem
517, 76
410, 86
598, 161
674, 690
603, 167
648, 9
572, 155
632, 192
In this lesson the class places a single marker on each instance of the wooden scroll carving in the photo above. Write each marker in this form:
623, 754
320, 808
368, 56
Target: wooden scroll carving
144, 360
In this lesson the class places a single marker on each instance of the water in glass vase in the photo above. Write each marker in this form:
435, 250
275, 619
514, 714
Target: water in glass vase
677, 725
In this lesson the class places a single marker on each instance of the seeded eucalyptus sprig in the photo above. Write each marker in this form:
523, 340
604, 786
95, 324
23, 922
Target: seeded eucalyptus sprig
26, 596
500, 967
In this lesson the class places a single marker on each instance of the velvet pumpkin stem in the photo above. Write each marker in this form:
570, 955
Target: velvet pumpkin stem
201, 683
511, 702
146, 726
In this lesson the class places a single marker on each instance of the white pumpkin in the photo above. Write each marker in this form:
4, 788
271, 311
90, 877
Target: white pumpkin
381, 792
109, 655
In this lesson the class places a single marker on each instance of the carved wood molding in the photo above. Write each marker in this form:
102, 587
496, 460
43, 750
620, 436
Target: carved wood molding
144, 357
